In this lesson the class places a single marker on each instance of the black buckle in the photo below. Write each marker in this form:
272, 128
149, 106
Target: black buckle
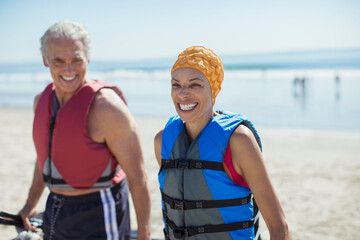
182, 163
180, 233
178, 205
47, 179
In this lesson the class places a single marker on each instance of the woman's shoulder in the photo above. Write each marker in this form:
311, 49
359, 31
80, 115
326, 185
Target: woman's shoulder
242, 139
158, 137
157, 146
241, 133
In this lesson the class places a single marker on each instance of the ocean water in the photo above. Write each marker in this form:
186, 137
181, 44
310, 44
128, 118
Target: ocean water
266, 95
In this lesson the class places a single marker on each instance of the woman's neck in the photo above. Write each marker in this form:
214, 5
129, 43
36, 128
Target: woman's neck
194, 128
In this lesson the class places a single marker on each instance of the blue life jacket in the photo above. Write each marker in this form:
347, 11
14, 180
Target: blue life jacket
199, 200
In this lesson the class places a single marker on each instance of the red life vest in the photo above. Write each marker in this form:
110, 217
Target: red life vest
76, 161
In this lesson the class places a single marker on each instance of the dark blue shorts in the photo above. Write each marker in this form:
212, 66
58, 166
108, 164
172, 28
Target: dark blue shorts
100, 215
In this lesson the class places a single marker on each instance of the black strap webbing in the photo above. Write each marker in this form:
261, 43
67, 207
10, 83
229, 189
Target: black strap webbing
191, 164
10, 219
54, 109
185, 205
181, 233
55, 181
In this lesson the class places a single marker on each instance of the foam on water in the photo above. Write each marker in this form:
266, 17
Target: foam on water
268, 97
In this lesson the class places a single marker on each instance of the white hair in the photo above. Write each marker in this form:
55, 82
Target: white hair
66, 29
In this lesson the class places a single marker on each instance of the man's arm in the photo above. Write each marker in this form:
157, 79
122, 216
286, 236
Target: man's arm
36, 189
111, 122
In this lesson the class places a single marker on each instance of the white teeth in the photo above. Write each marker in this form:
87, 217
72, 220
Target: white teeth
187, 107
68, 78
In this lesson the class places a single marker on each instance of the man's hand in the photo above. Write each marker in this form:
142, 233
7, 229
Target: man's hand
27, 212
29, 209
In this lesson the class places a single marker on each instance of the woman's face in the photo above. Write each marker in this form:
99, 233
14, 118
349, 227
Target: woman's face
191, 94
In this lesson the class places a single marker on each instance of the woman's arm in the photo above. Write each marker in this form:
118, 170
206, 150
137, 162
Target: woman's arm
249, 163
157, 145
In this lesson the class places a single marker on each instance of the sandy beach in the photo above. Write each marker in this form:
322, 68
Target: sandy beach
315, 173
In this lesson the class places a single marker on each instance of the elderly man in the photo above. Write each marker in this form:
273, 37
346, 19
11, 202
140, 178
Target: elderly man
87, 147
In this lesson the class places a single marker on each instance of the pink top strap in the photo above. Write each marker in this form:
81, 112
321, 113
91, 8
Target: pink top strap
229, 168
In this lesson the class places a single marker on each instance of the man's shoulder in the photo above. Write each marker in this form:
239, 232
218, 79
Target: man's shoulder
107, 98
108, 108
108, 113
36, 101
107, 90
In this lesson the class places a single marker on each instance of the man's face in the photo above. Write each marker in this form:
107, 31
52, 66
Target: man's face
67, 62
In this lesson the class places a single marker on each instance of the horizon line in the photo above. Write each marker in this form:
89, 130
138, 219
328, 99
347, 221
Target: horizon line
283, 52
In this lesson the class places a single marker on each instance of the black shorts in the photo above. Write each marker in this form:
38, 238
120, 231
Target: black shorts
100, 215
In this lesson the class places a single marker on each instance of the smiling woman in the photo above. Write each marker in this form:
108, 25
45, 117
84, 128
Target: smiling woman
191, 94
211, 165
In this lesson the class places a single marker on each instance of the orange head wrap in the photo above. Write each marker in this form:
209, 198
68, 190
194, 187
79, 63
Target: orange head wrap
205, 61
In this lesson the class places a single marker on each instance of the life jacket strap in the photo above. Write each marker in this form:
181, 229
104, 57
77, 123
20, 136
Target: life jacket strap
185, 205
181, 233
191, 164
54, 181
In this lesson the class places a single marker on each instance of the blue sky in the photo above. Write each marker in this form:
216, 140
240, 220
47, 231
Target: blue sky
128, 30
